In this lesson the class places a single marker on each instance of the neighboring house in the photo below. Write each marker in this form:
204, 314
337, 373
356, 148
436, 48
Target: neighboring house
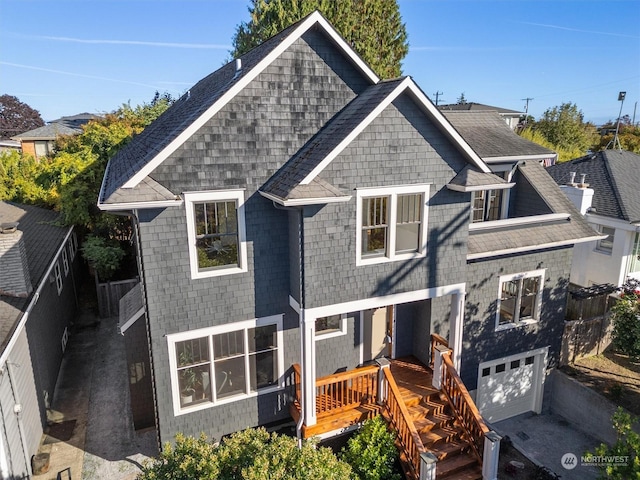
605, 186
40, 141
292, 208
9, 145
40, 267
510, 117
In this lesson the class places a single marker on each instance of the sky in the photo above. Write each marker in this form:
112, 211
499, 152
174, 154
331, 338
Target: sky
64, 57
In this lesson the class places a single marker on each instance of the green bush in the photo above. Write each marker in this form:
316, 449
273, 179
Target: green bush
252, 454
103, 255
371, 452
626, 325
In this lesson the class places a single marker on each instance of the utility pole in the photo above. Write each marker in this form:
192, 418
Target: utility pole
615, 139
526, 110
437, 95
633, 122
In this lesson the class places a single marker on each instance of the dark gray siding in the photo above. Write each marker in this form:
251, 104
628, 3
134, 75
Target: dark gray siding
525, 200
339, 354
481, 342
399, 147
246, 142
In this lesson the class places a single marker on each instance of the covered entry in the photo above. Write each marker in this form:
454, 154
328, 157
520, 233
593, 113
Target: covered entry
511, 385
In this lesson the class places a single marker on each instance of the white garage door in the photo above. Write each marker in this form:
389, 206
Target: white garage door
511, 385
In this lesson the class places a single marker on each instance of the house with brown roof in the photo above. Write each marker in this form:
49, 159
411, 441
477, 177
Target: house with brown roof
316, 246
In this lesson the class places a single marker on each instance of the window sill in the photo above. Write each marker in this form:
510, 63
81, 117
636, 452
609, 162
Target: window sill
196, 274
362, 261
511, 326
603, 252
330, 334
235, 398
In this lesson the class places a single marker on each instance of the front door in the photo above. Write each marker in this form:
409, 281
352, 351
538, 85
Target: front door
377, 333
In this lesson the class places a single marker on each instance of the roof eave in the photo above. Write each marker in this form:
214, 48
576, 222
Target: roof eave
529, 248
118, 207
477, 188
300, 202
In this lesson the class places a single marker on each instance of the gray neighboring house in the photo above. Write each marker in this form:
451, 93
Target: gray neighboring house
292, 208
40, 271
510, 117
604, 186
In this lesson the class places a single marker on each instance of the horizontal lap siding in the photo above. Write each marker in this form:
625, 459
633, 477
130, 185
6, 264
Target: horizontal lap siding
481, 342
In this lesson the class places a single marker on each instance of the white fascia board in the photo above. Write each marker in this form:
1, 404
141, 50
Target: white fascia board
139, 205
300, 202
471, 155
612, 222
498, 186
314, 18
356, 131
529, 248
518, 158
518, 221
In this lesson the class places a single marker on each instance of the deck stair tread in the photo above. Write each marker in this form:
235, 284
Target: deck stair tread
455, 466
449, 449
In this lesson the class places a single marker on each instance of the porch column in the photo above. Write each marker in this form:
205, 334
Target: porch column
436, 379
308, 354
428, 466
490, 456
456, 321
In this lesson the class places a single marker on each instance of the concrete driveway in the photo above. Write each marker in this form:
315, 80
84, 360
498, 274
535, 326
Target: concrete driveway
91, 434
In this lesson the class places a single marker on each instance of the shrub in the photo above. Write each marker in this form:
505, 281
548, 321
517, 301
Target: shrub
626, 325
371, 452
103, 255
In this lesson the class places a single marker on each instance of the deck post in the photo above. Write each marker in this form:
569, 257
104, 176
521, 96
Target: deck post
428, 466
490, 456
436, 380
382, 392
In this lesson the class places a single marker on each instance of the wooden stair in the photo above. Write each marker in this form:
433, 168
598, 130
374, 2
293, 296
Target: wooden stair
438, 429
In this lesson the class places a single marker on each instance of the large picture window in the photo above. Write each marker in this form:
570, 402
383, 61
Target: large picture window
391, 223
215, 224
519, 298
222, 364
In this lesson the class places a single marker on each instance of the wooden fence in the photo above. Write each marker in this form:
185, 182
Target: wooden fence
585, 338
109, 295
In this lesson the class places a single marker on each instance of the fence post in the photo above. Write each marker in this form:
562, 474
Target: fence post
382, 393
436, 380
428, 466
490, 456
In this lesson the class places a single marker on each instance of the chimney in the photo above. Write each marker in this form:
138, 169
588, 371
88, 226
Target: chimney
578, 193
15, 280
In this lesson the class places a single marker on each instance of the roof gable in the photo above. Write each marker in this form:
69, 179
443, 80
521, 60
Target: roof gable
164, 136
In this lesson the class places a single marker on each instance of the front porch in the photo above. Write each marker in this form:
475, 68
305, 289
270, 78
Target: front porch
440, 432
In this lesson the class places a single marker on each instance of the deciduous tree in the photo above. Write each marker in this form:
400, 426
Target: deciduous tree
17, 117
373, 28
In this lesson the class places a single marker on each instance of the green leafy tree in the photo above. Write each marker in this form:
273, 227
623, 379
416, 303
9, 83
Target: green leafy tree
373, 28
628, 136
17, 117
626, 325
371, 452
564, 154
252, 454
103, 255
564, 127
627, 447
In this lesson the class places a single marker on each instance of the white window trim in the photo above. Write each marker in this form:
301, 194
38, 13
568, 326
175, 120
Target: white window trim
58, 275
172, 339
332, 333
215, 196
517, 276
65, 261
599, 248
393, 193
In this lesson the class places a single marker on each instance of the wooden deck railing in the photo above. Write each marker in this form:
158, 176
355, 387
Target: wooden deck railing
435, 341
297, 388
463, 406
344, 391
401, 421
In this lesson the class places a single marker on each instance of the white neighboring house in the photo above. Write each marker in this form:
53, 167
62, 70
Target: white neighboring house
605, 187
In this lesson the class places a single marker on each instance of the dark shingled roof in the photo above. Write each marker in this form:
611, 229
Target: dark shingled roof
489, 135
470, 177
530, 236
42, 238
166, 128
476, 107
148, 190
615, 178
286, 181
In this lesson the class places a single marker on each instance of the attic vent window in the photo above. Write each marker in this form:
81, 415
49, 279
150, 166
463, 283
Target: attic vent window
8, 227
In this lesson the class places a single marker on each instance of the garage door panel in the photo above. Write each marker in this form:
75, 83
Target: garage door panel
510, 386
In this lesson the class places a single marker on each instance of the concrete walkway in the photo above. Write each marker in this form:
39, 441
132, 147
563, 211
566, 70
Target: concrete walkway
91, 434
546, 438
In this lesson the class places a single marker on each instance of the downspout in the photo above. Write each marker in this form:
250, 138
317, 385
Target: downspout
302, 326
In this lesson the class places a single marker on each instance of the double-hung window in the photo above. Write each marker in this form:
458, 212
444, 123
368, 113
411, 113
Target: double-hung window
391, 223
606, 244
519, 299
222, 364
486, 205
58, 276
216, 231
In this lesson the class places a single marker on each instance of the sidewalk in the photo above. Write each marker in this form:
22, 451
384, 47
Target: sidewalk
91, 435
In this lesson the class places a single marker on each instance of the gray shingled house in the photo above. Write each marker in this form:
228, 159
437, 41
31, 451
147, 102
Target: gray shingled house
311, 239
39, 274
604, 186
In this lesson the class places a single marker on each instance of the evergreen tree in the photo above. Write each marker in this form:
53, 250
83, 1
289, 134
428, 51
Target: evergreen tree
373, 28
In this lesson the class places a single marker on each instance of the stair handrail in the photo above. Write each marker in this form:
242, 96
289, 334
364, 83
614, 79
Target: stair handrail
407, 433
463, 405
